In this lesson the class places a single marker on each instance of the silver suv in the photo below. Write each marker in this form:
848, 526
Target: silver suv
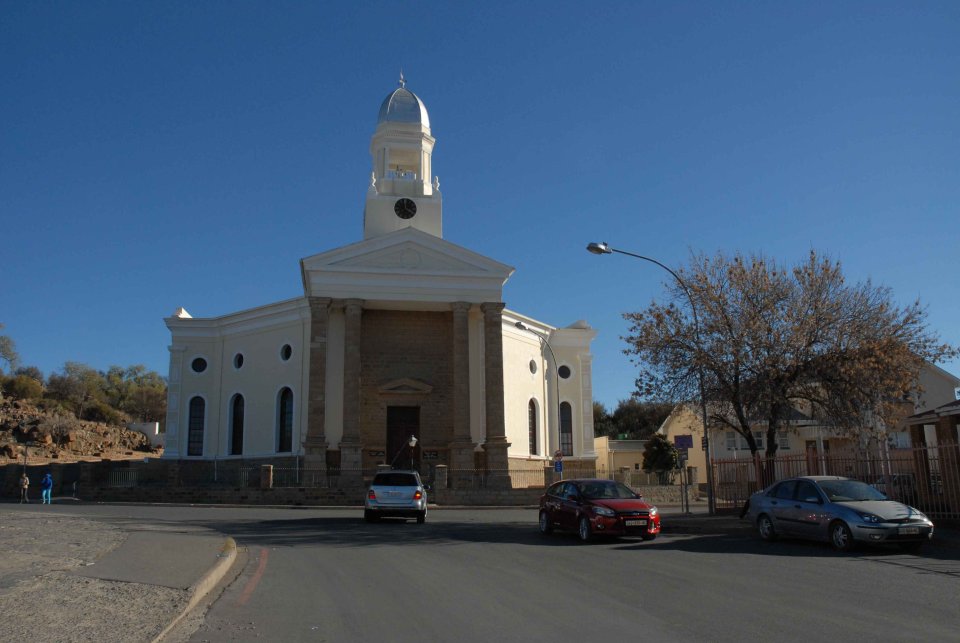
396, 494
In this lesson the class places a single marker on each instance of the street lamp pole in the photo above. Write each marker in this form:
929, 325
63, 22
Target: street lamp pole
605, 249
556, 372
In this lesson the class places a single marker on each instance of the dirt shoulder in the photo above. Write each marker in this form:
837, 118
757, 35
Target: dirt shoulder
41, 599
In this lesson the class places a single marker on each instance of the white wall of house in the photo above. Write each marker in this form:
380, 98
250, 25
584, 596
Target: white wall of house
938, 388
149, 429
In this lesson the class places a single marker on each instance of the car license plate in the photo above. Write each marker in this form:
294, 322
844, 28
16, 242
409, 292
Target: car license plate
635, 523
908, 531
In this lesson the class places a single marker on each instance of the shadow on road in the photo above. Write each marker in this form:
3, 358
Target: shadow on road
355, 532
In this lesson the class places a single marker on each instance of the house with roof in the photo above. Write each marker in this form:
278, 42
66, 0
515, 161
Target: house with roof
805, 434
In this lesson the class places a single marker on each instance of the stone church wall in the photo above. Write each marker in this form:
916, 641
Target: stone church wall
413, 345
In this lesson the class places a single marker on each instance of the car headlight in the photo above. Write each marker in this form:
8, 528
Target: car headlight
653, 511
871, 518
918, 514
604, 511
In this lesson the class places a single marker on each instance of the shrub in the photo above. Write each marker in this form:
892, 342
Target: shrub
23, 387
53, 406
660, 457
99, 411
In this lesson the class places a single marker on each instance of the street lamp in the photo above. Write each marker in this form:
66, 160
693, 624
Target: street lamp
556, 370
412, 442
605, 249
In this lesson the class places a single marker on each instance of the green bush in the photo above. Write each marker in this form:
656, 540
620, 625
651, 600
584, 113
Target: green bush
23, 387
661, 457
99, 411
53, 406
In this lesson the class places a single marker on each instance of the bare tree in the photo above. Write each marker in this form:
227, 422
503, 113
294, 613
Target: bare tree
59, 427
774, 340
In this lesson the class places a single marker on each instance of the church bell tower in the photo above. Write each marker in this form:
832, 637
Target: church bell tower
403, 193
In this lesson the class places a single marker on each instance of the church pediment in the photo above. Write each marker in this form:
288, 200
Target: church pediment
408, 256
407, 265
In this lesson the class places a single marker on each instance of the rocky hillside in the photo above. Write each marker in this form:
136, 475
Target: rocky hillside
50, 438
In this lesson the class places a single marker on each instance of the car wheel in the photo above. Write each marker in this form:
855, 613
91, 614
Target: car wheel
840, 536
648, 537
421, 517
584, 530
546, 527
766, 528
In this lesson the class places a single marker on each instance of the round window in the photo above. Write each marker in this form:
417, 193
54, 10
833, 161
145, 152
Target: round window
533, 366
286, 352
198, 365
564, 371
238, 360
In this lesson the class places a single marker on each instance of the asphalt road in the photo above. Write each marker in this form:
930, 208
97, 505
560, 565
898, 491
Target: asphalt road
482, 575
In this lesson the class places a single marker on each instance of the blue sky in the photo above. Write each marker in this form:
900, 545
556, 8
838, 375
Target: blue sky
156, 155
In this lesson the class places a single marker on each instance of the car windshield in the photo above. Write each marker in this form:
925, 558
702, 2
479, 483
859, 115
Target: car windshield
607, 489
849, 491
395, 480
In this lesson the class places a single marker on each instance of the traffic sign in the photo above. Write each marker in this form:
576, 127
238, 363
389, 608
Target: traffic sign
558, 466
683, 441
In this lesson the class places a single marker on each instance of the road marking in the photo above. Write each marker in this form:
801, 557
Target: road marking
255, 580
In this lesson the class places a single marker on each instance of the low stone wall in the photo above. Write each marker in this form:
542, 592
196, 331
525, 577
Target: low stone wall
285, 496
159, 481
486, 497
667, 495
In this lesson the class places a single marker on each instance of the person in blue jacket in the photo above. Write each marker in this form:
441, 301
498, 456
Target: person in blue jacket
46, 486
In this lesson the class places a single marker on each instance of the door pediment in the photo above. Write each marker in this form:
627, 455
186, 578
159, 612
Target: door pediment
405, 385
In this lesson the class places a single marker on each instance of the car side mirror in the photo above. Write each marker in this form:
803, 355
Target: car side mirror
426, 487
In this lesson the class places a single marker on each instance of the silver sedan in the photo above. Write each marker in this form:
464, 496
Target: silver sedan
839, 510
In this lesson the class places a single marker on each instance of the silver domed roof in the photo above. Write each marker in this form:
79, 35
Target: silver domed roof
403, 106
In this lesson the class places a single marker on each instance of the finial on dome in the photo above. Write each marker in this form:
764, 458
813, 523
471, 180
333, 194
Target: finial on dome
403, 82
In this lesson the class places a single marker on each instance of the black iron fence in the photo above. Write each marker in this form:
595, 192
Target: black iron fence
924, 477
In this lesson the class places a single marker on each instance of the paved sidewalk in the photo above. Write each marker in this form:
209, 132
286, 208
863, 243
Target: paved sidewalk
67, 578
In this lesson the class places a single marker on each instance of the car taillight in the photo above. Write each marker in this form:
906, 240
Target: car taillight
371, 495
417, 495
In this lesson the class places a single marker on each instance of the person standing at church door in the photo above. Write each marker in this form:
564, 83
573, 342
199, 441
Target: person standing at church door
46, 487
24, 488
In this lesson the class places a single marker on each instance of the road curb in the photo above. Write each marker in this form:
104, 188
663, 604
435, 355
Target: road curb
199, 590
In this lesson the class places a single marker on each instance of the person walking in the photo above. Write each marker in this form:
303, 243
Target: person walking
24, 488
46, 486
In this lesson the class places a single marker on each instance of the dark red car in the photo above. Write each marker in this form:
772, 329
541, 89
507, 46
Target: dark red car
597, 508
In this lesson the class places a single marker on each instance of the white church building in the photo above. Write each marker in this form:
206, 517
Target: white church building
400, 334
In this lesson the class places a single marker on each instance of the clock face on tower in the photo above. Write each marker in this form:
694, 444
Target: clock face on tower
405, 208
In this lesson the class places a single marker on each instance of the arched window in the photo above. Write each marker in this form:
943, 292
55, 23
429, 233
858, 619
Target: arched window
236, 425
195, 426
532, 424
566, 429
285, 421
